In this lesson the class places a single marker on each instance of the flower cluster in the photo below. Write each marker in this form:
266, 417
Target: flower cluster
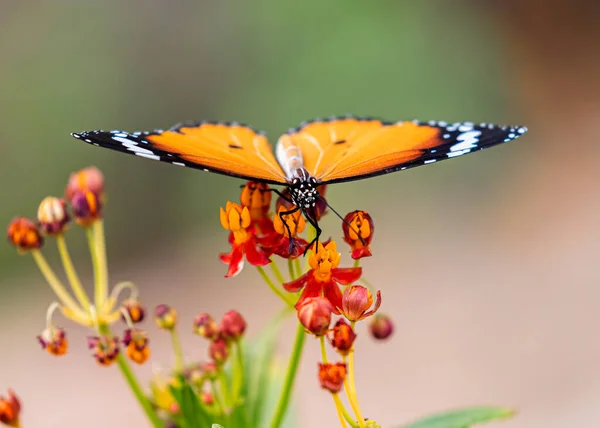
83, 202
324, 290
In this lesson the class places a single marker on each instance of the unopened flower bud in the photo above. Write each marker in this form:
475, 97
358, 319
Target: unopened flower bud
165, 317
357, 301
136, 342
205, 326
232, 325
10, 409
54, 340
105, 349
219, 351
207, 398
24, 234
134, 309
331, 376
342, 337
87, 207
87, 179
381, 327
358, 230
315, 315
53, 216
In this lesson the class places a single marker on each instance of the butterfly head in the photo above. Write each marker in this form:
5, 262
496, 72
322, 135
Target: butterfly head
304, 192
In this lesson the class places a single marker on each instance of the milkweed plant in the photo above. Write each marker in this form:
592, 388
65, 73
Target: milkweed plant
239, 385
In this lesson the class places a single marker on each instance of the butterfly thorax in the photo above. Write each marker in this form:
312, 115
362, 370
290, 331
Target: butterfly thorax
303, 189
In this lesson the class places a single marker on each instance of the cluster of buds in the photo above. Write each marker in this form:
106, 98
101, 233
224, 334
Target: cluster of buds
83, 200
230, 330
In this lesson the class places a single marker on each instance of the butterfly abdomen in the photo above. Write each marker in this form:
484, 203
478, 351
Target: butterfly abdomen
290, 159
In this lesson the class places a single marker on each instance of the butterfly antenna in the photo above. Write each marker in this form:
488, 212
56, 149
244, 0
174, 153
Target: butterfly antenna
345, 222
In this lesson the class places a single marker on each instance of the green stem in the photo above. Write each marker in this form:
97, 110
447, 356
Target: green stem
342, 409
177, 350
284, 399
72, 276
291, 269
273, 287
135, 385
277, 272
225, 389
238, 374
218, 398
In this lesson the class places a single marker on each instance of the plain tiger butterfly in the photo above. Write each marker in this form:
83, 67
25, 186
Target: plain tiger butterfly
318, 152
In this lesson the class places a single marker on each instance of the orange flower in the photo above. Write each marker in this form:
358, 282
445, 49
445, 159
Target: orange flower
105, 349
324, 276
24, 234
136, 342
358, 230
257, 197
87, 179
134, 309
331, 376
342, 337
238, 221
10, 408
54, 340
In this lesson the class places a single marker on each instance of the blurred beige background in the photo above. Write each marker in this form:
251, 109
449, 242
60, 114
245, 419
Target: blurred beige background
488, 264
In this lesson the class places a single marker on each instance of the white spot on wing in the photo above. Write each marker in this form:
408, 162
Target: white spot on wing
133, 147
430, 161
149, 156
468, 140
178, 163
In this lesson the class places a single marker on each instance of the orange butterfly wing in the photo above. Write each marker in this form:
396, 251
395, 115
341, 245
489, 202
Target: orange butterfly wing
345, 149
226, 148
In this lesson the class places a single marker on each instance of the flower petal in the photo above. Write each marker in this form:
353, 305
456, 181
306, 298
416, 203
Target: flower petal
346, 276
236, 262
359, 253
297, 284
332, 292
312, 289
254, 256
376, 308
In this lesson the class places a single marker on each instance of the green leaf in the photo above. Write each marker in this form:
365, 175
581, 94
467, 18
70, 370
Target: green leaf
192, 414
463, 418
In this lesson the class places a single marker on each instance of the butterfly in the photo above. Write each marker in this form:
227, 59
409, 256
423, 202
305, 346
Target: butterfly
318, 152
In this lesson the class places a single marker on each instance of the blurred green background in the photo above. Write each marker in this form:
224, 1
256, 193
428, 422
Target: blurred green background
486, 263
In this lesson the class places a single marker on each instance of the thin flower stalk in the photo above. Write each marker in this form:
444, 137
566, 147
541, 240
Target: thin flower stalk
350, 388
71, 273
177, 350
285, 297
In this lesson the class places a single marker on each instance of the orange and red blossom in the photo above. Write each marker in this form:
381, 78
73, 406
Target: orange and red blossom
356, 302
381, 327
323, 277
24, 234
358, 233
87, 207
105, 349
232, 325
53, 215
315, 315
136, 343
257, 197
283, 240
342, 337
54, 340
10, 409
87, 179
331, 376
242, 238
205, 326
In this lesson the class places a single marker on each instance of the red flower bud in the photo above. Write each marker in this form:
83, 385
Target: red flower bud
207, 398
205, 326
24, 234
356, 302
358, 230
87, 207
342, 337
53, 216
331, 376
87, 179
381, 327
10, 408
315, 315
219, 351
165, 317
54, 340
233, 325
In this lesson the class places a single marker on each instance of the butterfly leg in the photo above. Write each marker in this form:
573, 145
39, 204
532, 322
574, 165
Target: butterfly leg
314, 224
281, 215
